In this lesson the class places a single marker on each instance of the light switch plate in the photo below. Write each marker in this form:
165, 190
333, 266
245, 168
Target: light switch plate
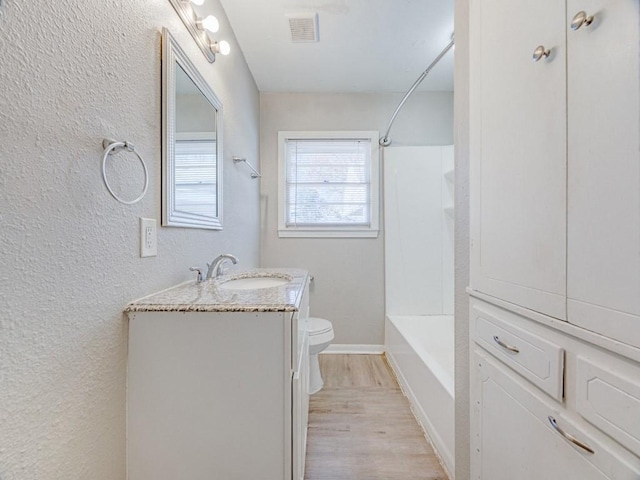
148, 237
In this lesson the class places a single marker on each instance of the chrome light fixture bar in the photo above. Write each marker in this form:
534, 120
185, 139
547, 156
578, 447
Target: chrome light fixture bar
198, 28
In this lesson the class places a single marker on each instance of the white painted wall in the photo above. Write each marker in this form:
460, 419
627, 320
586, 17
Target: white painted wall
72, 73
349, 273
461, 134
418, 231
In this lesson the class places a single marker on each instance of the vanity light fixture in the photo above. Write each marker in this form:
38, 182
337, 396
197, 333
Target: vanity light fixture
209, 23
222, 47
199, 28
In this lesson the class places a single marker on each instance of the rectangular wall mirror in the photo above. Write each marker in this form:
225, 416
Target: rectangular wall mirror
191, 143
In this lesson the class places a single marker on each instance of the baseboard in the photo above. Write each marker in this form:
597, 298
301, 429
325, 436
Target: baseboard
354, 349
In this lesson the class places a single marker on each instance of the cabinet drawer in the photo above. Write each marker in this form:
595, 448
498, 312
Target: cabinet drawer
535, 358
608, 396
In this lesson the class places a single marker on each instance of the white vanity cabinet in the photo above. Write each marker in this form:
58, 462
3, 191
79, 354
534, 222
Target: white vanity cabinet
218, 384
555, 167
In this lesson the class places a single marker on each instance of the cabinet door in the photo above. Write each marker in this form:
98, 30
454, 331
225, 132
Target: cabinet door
514, 439
603, 285
518, 117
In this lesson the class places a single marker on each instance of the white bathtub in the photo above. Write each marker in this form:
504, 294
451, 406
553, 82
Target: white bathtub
420, 349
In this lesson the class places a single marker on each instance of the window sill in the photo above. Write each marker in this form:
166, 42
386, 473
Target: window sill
327, 233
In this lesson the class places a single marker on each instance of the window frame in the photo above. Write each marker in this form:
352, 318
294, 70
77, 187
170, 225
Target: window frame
329, 231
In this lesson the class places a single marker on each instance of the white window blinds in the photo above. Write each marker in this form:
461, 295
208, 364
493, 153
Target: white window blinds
195, 177
328, 182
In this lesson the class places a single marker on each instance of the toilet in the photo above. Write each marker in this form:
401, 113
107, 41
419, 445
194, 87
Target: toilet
320, 336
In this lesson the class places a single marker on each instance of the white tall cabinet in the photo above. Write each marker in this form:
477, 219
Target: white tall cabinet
555, 239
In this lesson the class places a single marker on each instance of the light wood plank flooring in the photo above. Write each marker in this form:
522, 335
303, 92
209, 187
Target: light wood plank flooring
361, 427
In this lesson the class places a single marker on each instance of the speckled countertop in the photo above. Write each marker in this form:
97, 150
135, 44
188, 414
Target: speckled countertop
209, 297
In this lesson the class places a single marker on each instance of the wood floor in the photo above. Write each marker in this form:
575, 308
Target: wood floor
361, 427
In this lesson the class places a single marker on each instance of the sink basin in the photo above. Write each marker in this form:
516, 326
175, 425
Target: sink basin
252, 283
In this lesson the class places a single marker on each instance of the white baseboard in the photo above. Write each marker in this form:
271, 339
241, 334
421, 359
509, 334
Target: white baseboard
345, 348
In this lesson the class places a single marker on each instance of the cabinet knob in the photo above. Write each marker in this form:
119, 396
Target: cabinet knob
581, 18
540, 52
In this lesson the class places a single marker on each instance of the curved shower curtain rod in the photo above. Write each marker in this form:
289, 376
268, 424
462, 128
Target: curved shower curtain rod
385, 141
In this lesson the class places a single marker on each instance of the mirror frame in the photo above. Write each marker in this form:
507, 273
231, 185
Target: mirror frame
172, 56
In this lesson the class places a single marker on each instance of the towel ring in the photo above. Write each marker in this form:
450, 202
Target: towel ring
112, 146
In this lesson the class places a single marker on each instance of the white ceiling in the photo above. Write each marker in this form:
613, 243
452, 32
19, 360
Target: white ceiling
365, 45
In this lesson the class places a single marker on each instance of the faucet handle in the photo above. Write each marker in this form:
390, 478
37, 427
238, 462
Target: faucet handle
199, 276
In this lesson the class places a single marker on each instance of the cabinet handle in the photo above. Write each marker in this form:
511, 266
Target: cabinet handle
540, 52
581, 18
568, 436
511, 348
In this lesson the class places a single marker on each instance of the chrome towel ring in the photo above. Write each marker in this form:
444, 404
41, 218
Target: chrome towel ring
112, 146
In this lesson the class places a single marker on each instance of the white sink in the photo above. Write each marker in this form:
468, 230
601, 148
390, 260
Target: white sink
252, 283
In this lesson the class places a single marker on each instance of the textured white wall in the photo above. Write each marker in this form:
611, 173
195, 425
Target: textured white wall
72, 73
349, 273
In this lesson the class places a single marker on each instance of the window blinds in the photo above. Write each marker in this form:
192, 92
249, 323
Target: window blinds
328, 182
195, 177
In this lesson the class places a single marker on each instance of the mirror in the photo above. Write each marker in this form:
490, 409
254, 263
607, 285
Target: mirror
191, 143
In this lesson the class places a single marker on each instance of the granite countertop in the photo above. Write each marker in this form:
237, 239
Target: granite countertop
209, 297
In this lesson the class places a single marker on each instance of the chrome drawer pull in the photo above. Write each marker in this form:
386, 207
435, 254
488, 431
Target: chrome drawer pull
568, 436
511, 348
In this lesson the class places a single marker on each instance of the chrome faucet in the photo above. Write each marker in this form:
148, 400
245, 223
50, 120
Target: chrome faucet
215, 267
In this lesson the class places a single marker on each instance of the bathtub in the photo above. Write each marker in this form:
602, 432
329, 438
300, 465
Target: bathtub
420, 350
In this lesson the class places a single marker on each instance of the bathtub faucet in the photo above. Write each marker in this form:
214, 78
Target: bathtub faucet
215, 267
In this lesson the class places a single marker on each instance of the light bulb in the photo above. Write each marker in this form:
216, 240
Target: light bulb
224, 47
210, 23
197, 2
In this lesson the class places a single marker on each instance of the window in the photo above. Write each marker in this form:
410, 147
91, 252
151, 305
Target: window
328, 184
195, 174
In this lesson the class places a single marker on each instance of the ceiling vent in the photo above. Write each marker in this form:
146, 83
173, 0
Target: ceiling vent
304, 27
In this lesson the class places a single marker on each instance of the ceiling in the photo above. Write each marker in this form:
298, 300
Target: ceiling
365, 45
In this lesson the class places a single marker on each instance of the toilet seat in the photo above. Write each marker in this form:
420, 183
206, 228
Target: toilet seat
320, 331
318, 326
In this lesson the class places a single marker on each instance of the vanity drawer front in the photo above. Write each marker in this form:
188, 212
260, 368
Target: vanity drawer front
535, 358
608, 396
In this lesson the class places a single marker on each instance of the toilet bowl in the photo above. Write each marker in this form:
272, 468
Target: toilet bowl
320, 336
